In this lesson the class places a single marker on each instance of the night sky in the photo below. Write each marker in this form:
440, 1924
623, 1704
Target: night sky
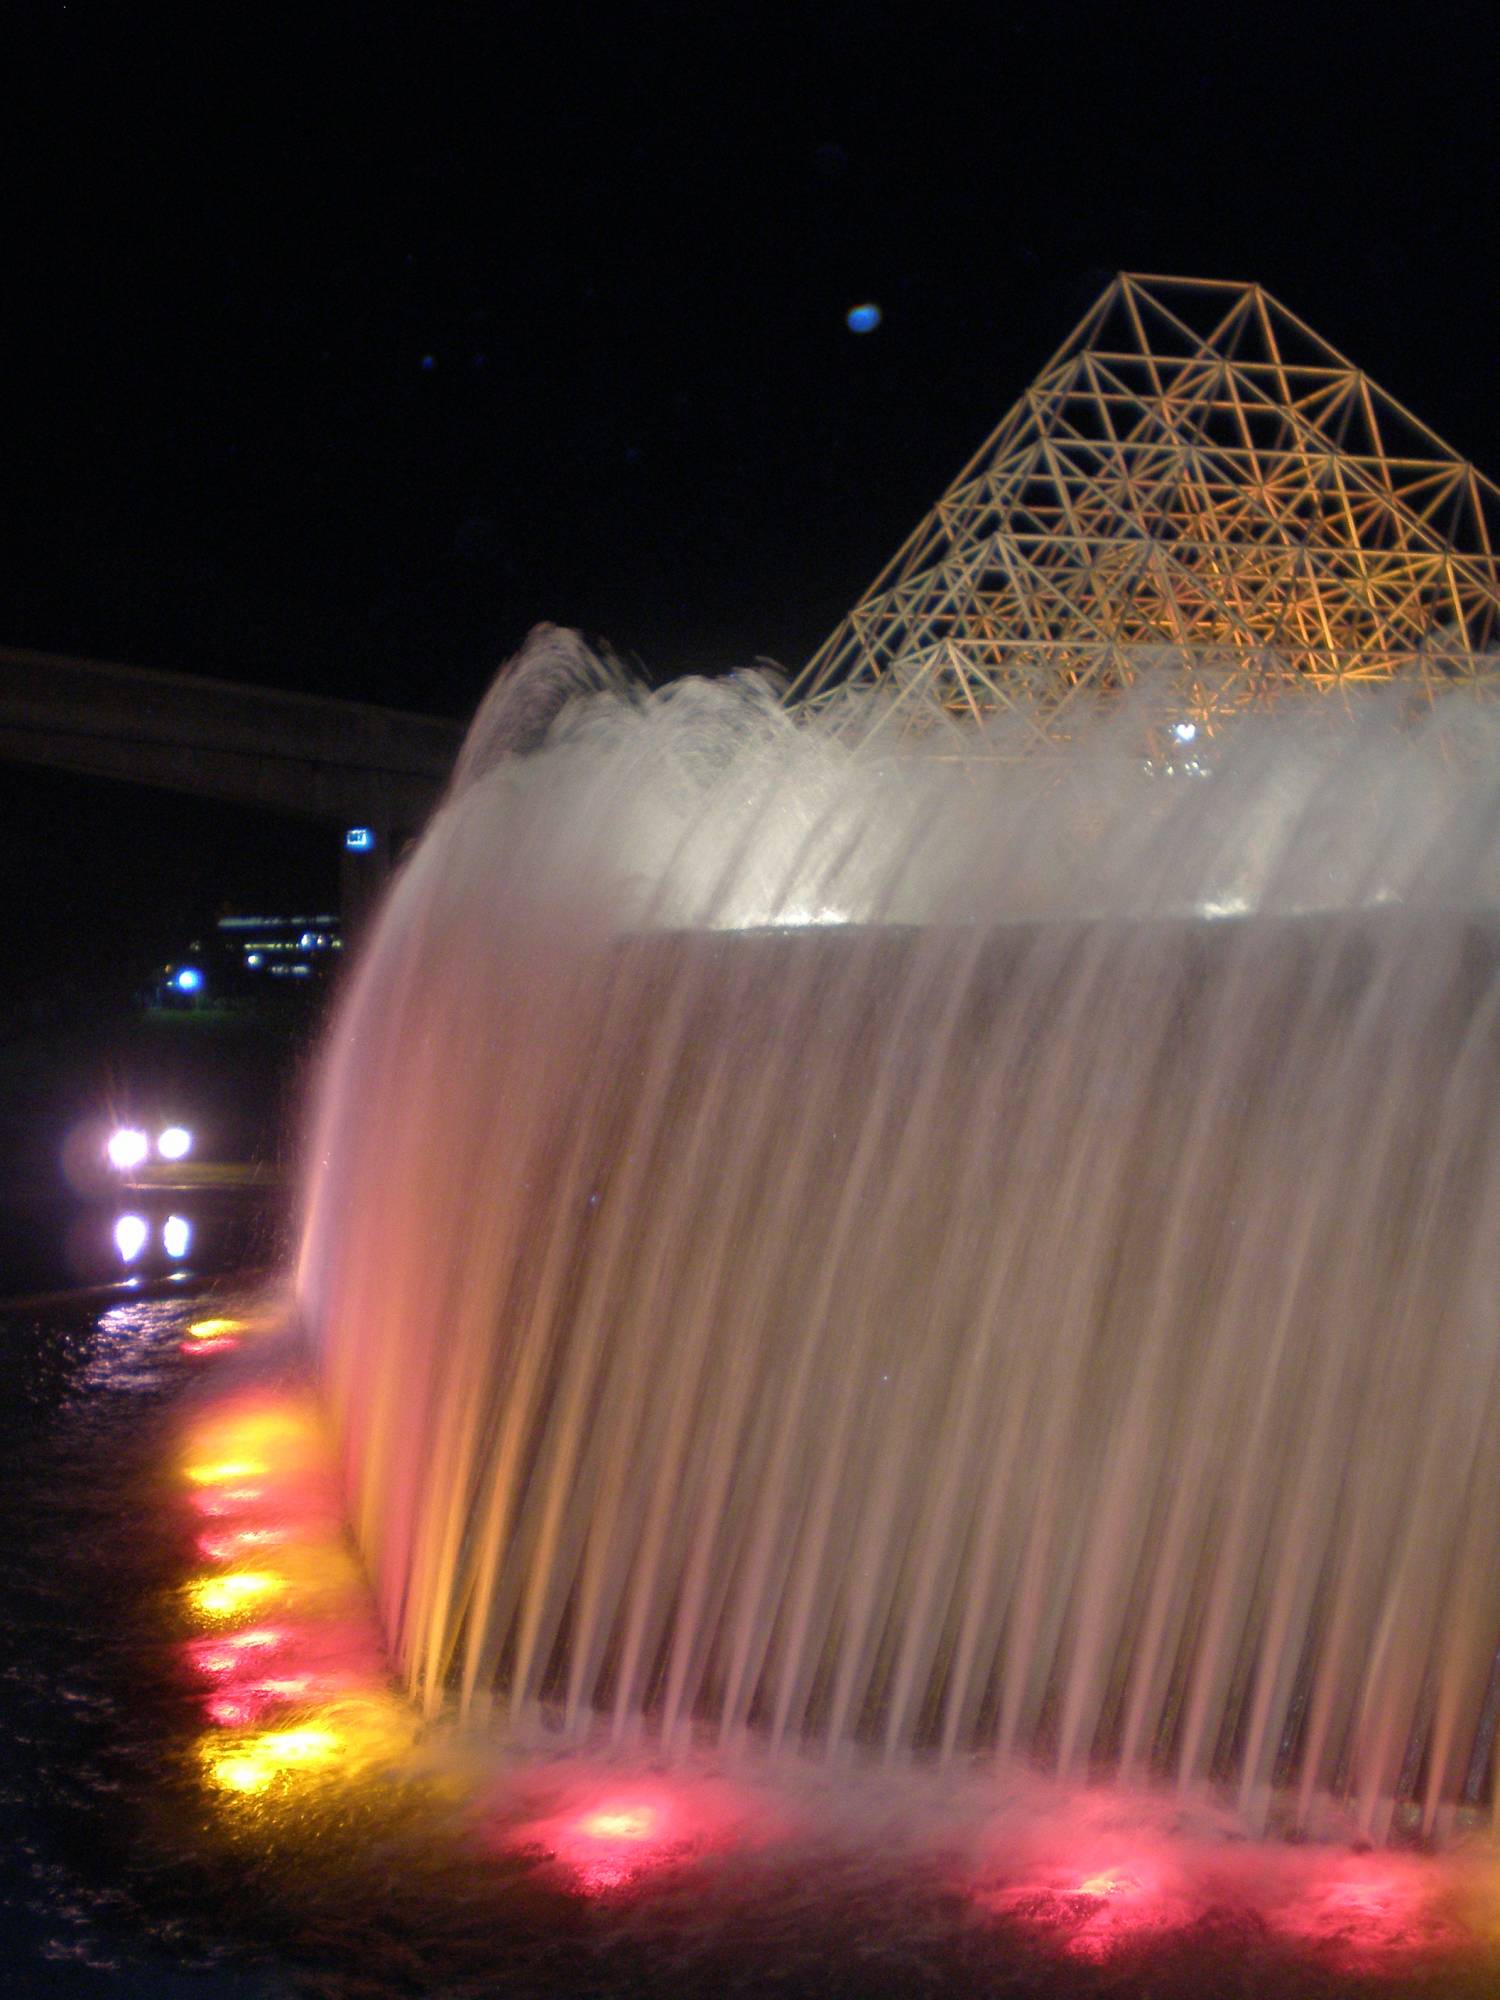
338, 345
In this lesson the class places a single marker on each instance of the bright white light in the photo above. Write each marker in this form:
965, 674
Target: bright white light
254, 958
127, 1147
188, 980
130, 1237
176, 1235
175, 1143
1185, 731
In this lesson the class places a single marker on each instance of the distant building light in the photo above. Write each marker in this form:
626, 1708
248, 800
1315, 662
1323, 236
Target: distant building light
359, 839
176, 1235
306, 941
255, 958
187, 979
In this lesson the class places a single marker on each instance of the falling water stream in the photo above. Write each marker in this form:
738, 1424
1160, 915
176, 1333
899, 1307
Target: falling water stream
884, 1253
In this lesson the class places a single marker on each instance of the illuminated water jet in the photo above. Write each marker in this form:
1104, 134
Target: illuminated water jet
818, 1248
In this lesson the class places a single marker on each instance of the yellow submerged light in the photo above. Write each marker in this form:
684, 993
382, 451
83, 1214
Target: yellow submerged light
225, 1470
270, 1755
224, 1596
341, 1739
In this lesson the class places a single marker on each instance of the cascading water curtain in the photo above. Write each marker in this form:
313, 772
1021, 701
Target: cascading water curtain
913, 1253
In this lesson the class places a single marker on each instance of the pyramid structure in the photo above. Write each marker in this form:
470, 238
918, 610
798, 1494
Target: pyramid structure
1196, 488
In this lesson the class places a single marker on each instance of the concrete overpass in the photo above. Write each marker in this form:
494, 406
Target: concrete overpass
345, 762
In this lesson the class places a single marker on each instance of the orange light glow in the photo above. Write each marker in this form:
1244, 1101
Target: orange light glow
263, 1426
266, 1757
226, 1470
225, 1596
341, 1739
213, 1329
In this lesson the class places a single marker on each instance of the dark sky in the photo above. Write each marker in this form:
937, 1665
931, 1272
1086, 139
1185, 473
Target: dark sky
340, 344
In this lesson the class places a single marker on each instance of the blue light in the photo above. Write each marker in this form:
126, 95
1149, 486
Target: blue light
359, 839
862, 319
188, 980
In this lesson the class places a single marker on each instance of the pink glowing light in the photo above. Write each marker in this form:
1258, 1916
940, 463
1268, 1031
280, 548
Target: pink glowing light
219, 1343
1088, 1891
293, 1687
1090, 1911
1111, 1883
216, 1502
1364, 1911
227, 1545
232, 1711
611, 1841
232, 1653
625, 1823
1117, 1907
614, 1844
250, 1701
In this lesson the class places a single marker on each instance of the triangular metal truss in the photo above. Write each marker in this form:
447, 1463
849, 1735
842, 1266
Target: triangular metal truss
1197, 487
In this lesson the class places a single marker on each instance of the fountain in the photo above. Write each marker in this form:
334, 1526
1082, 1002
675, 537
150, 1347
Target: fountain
869, 1253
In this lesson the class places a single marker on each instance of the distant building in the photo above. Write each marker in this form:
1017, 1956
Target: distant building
249, 957
256, 948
